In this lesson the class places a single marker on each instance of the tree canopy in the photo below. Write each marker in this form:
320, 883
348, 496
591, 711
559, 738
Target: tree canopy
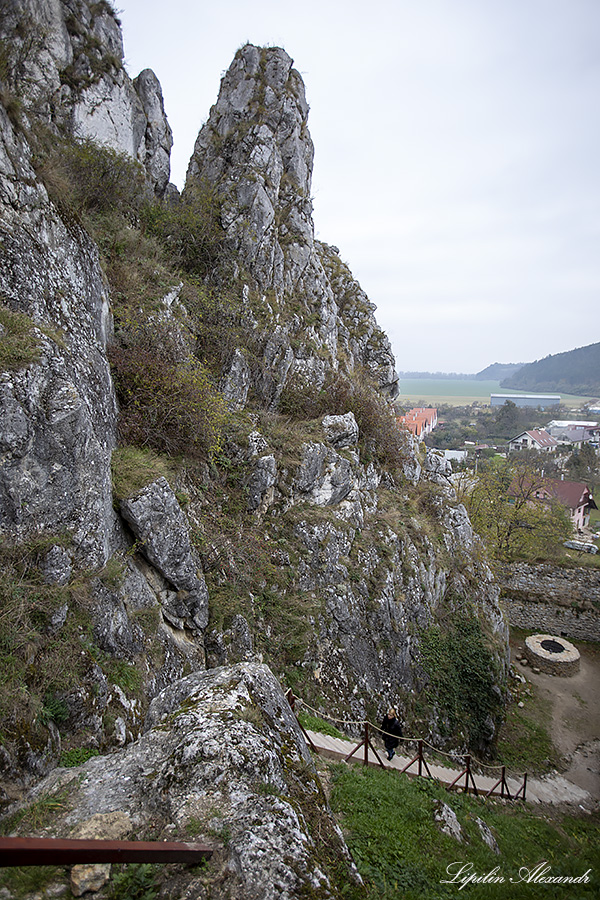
505, 512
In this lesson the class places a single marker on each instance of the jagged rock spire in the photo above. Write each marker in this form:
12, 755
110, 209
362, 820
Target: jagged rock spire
256, 147
256, 152
65, 59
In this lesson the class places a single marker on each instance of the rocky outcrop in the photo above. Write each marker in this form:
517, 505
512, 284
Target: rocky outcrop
222, 758
65, 59
255, 149
351, 562
372, 570
341, 431
58, 422
58, 410
160, 527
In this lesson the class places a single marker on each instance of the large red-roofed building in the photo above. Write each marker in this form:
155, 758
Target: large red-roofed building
420, 421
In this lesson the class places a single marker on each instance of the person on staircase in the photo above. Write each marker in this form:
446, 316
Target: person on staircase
392, 730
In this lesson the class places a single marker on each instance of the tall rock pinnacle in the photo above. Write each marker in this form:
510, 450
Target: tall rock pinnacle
257, 148
256, 151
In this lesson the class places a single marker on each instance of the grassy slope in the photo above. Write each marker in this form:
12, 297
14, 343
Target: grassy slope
389, 824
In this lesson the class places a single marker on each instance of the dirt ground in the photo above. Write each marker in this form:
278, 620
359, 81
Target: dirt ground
575, 702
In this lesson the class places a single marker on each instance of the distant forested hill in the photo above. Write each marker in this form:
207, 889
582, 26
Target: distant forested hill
574, 372
498, 371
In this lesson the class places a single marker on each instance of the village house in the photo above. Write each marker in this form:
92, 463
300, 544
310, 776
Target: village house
533, 440
573, 495
573, 433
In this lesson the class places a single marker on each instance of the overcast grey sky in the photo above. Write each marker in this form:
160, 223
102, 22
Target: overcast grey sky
457, 155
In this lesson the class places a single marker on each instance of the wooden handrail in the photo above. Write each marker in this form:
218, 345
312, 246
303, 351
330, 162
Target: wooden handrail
469, 786
19, 851
421, 759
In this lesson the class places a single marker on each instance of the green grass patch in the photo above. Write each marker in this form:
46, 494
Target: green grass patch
315, 723
135, 882
76, 756
36, 816
24, 881
524, 740
20, 342
134, 467
389, 825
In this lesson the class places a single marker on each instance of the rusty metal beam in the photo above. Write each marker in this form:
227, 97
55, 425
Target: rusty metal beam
17, 851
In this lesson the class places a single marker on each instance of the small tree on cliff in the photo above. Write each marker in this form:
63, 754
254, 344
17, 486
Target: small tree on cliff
507, 511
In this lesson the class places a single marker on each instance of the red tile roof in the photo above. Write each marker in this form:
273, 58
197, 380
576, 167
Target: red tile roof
571, 493
541, 437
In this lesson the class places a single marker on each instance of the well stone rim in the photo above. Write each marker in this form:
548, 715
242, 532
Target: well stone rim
550, 661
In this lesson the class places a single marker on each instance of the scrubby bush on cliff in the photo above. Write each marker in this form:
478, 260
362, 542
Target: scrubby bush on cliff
381, 438
86, 177
166, 402
190, 231
459, 675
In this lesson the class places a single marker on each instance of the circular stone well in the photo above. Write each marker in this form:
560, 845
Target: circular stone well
551, 654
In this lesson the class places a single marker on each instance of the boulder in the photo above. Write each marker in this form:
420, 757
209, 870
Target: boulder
341, 431
160, 526
222, 757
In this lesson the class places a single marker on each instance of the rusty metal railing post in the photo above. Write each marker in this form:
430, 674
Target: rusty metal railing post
468, 774
420, 758
366, 756
504, 789
291, 699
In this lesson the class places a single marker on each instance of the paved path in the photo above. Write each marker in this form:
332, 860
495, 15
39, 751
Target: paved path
553, 789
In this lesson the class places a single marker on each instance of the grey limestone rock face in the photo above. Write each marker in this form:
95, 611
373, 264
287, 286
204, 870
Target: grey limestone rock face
154, 147
437, 468
221, 749
159, 524
324, 477
236, 382
262, 479
341, 431
58, 411
260, 118
70, 55
256, 150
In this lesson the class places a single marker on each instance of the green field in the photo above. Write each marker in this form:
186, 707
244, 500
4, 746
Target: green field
460, 392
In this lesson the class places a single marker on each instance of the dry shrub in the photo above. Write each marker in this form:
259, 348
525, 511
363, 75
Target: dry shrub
86, 177
191, 231
380, 436
166, 402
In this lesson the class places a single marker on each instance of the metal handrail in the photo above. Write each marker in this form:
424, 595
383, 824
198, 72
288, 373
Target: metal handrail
21, 851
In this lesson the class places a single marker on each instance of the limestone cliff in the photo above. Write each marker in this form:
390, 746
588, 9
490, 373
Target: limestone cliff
232, 487
230, 769
256, 150
65, 58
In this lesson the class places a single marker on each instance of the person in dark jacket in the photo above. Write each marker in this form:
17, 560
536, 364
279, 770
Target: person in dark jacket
392, 730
